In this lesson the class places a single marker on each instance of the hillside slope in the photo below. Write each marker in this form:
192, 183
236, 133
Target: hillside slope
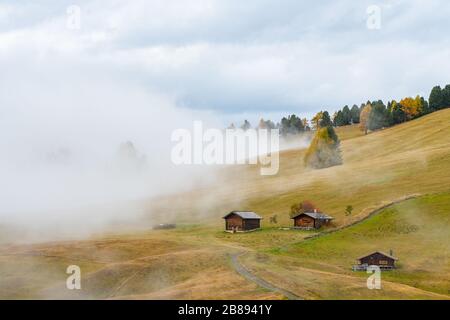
192, 261
383, 166
418, 232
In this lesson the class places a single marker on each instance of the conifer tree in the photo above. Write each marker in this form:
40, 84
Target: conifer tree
324, 150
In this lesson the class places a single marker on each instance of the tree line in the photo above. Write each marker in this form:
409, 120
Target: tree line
287, 126
371, 115
374, 115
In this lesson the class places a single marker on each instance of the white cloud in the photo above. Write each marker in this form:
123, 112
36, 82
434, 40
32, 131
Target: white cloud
239, 56
137, 69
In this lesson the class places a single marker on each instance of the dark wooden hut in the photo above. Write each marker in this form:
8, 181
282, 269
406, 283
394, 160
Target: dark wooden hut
383, 260
237, 221
311, 220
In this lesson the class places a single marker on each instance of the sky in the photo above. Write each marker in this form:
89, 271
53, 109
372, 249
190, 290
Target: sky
78, 78
234, 57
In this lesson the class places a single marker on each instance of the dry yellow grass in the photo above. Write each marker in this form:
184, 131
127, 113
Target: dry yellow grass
412, 158
314, 283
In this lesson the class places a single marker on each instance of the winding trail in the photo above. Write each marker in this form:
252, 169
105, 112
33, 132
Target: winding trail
235, 252
243, 271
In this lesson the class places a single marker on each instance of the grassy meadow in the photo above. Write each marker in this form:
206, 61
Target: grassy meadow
411, 160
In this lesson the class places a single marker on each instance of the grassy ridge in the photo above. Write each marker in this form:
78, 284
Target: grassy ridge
417, 231
407, 159
410, 158
192, 261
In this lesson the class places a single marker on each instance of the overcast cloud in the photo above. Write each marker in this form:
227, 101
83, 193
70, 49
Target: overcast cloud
240, 56
136, 70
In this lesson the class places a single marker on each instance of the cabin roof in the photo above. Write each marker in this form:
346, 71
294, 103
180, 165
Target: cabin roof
380, 252
314, 215
244, 215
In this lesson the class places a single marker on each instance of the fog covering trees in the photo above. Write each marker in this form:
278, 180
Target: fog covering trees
364, 117
246, 125
373, 115
293, 125
324, 150
379, 116
355, 113
130, 159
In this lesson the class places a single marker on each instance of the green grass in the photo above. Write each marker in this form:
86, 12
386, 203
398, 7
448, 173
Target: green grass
416, 230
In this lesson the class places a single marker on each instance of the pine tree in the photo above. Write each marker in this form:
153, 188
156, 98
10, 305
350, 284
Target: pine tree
425, 105
355, 112
246, 125
290, 125
379, 116
324, 150
347, 115
398, 115
446, 96
326, 120
339, 119
436, 100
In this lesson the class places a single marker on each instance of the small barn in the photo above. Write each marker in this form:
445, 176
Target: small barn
311, 220
240, 221
383, 260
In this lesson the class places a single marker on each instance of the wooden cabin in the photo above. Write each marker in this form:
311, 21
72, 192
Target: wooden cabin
241, 221
383, 260
311, 220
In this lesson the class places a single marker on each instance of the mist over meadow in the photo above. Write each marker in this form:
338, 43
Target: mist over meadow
88, 103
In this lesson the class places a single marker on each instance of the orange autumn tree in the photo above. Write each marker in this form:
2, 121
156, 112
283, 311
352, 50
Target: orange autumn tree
304, 206
412, 107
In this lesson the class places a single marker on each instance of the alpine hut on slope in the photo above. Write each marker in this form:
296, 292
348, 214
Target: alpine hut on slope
383, 260
311, 220
241, 221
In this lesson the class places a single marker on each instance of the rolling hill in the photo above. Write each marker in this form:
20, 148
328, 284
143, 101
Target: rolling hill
409, 161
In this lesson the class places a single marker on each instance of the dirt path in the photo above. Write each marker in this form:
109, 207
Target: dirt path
252, 276
393, 284
240, 268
